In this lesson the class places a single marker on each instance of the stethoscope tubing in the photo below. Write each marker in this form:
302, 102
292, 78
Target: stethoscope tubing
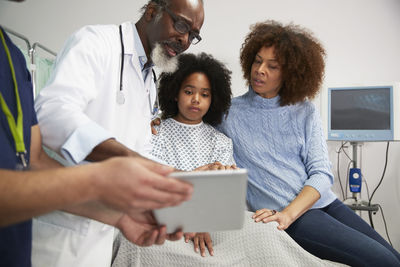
122, 58
120, 95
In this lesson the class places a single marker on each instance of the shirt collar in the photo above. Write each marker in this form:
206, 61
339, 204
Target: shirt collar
263, 102
140, 49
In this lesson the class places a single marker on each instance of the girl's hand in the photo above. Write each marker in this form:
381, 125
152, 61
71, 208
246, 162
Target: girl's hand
209, 167
201, 240
267, 215
231, 167
216, 166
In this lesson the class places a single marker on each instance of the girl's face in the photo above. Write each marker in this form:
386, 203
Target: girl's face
266, 73
194, 98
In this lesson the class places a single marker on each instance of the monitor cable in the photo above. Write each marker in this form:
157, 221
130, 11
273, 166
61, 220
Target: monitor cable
380, 182
384, 222
369, 204
341, 149
347, 176
338, 170
380, 207
383, 173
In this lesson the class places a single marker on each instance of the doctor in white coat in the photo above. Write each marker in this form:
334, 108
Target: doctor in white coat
99, 103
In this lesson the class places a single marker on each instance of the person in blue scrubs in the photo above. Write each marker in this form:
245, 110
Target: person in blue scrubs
15, 240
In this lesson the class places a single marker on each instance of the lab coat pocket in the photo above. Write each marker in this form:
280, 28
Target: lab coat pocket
57, 238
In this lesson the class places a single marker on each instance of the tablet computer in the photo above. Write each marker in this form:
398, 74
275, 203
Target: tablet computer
218, 202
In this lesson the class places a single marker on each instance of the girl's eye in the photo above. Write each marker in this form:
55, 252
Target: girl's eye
188, 92
206, 95
273, 67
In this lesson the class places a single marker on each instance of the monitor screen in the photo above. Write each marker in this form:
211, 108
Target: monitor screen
360, 109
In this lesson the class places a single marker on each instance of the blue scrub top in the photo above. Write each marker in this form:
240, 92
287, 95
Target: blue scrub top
15, 240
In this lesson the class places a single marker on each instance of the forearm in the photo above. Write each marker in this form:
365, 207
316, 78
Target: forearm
27, 194
96, 211
38, 157
128, 184
110, 148
303, 202
44, 162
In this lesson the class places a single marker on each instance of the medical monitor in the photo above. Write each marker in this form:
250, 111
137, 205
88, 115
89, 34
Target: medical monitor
364, 113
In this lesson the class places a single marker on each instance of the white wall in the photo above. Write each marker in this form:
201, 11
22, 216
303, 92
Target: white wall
362, 39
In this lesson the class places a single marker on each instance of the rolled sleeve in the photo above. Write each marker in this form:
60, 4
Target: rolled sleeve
319, 182
82, 141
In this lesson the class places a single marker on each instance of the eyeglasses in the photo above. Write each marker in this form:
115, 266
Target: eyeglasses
182, 27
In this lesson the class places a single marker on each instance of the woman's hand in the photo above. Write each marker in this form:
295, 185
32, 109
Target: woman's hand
201, 240
303, 202
267, 215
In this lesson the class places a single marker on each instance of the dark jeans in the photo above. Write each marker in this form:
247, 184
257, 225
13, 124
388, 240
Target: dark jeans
338, 234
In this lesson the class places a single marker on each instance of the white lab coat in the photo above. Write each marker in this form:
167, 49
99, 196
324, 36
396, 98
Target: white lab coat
78, 110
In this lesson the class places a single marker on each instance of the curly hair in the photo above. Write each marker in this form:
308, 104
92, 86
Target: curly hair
299, 54
220, 81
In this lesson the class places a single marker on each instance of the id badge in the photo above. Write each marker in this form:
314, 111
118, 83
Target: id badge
23, 164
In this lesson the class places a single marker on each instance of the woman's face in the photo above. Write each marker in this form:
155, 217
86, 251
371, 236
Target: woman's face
194, 99
266, 73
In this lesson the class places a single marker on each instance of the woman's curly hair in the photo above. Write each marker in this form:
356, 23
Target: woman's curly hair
299, 54
220, 81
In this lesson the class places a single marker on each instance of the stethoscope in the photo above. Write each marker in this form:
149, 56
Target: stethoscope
120, 93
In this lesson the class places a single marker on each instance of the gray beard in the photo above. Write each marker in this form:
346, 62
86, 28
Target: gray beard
163, 61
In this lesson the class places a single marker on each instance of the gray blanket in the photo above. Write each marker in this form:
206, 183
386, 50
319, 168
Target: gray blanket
257, 244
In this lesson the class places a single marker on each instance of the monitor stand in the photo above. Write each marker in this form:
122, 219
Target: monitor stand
356, 203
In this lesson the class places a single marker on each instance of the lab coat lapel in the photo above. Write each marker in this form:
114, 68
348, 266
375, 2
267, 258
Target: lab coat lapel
129, 47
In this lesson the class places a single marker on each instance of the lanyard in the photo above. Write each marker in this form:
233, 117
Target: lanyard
16, 127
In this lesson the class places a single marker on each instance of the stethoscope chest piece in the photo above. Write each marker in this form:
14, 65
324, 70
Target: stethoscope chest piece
120, 95
120, 98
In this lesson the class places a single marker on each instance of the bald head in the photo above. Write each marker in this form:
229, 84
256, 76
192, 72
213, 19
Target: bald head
167, 3
175, 24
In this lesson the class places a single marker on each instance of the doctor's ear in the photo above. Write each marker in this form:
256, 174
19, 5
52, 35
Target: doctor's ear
151, 11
